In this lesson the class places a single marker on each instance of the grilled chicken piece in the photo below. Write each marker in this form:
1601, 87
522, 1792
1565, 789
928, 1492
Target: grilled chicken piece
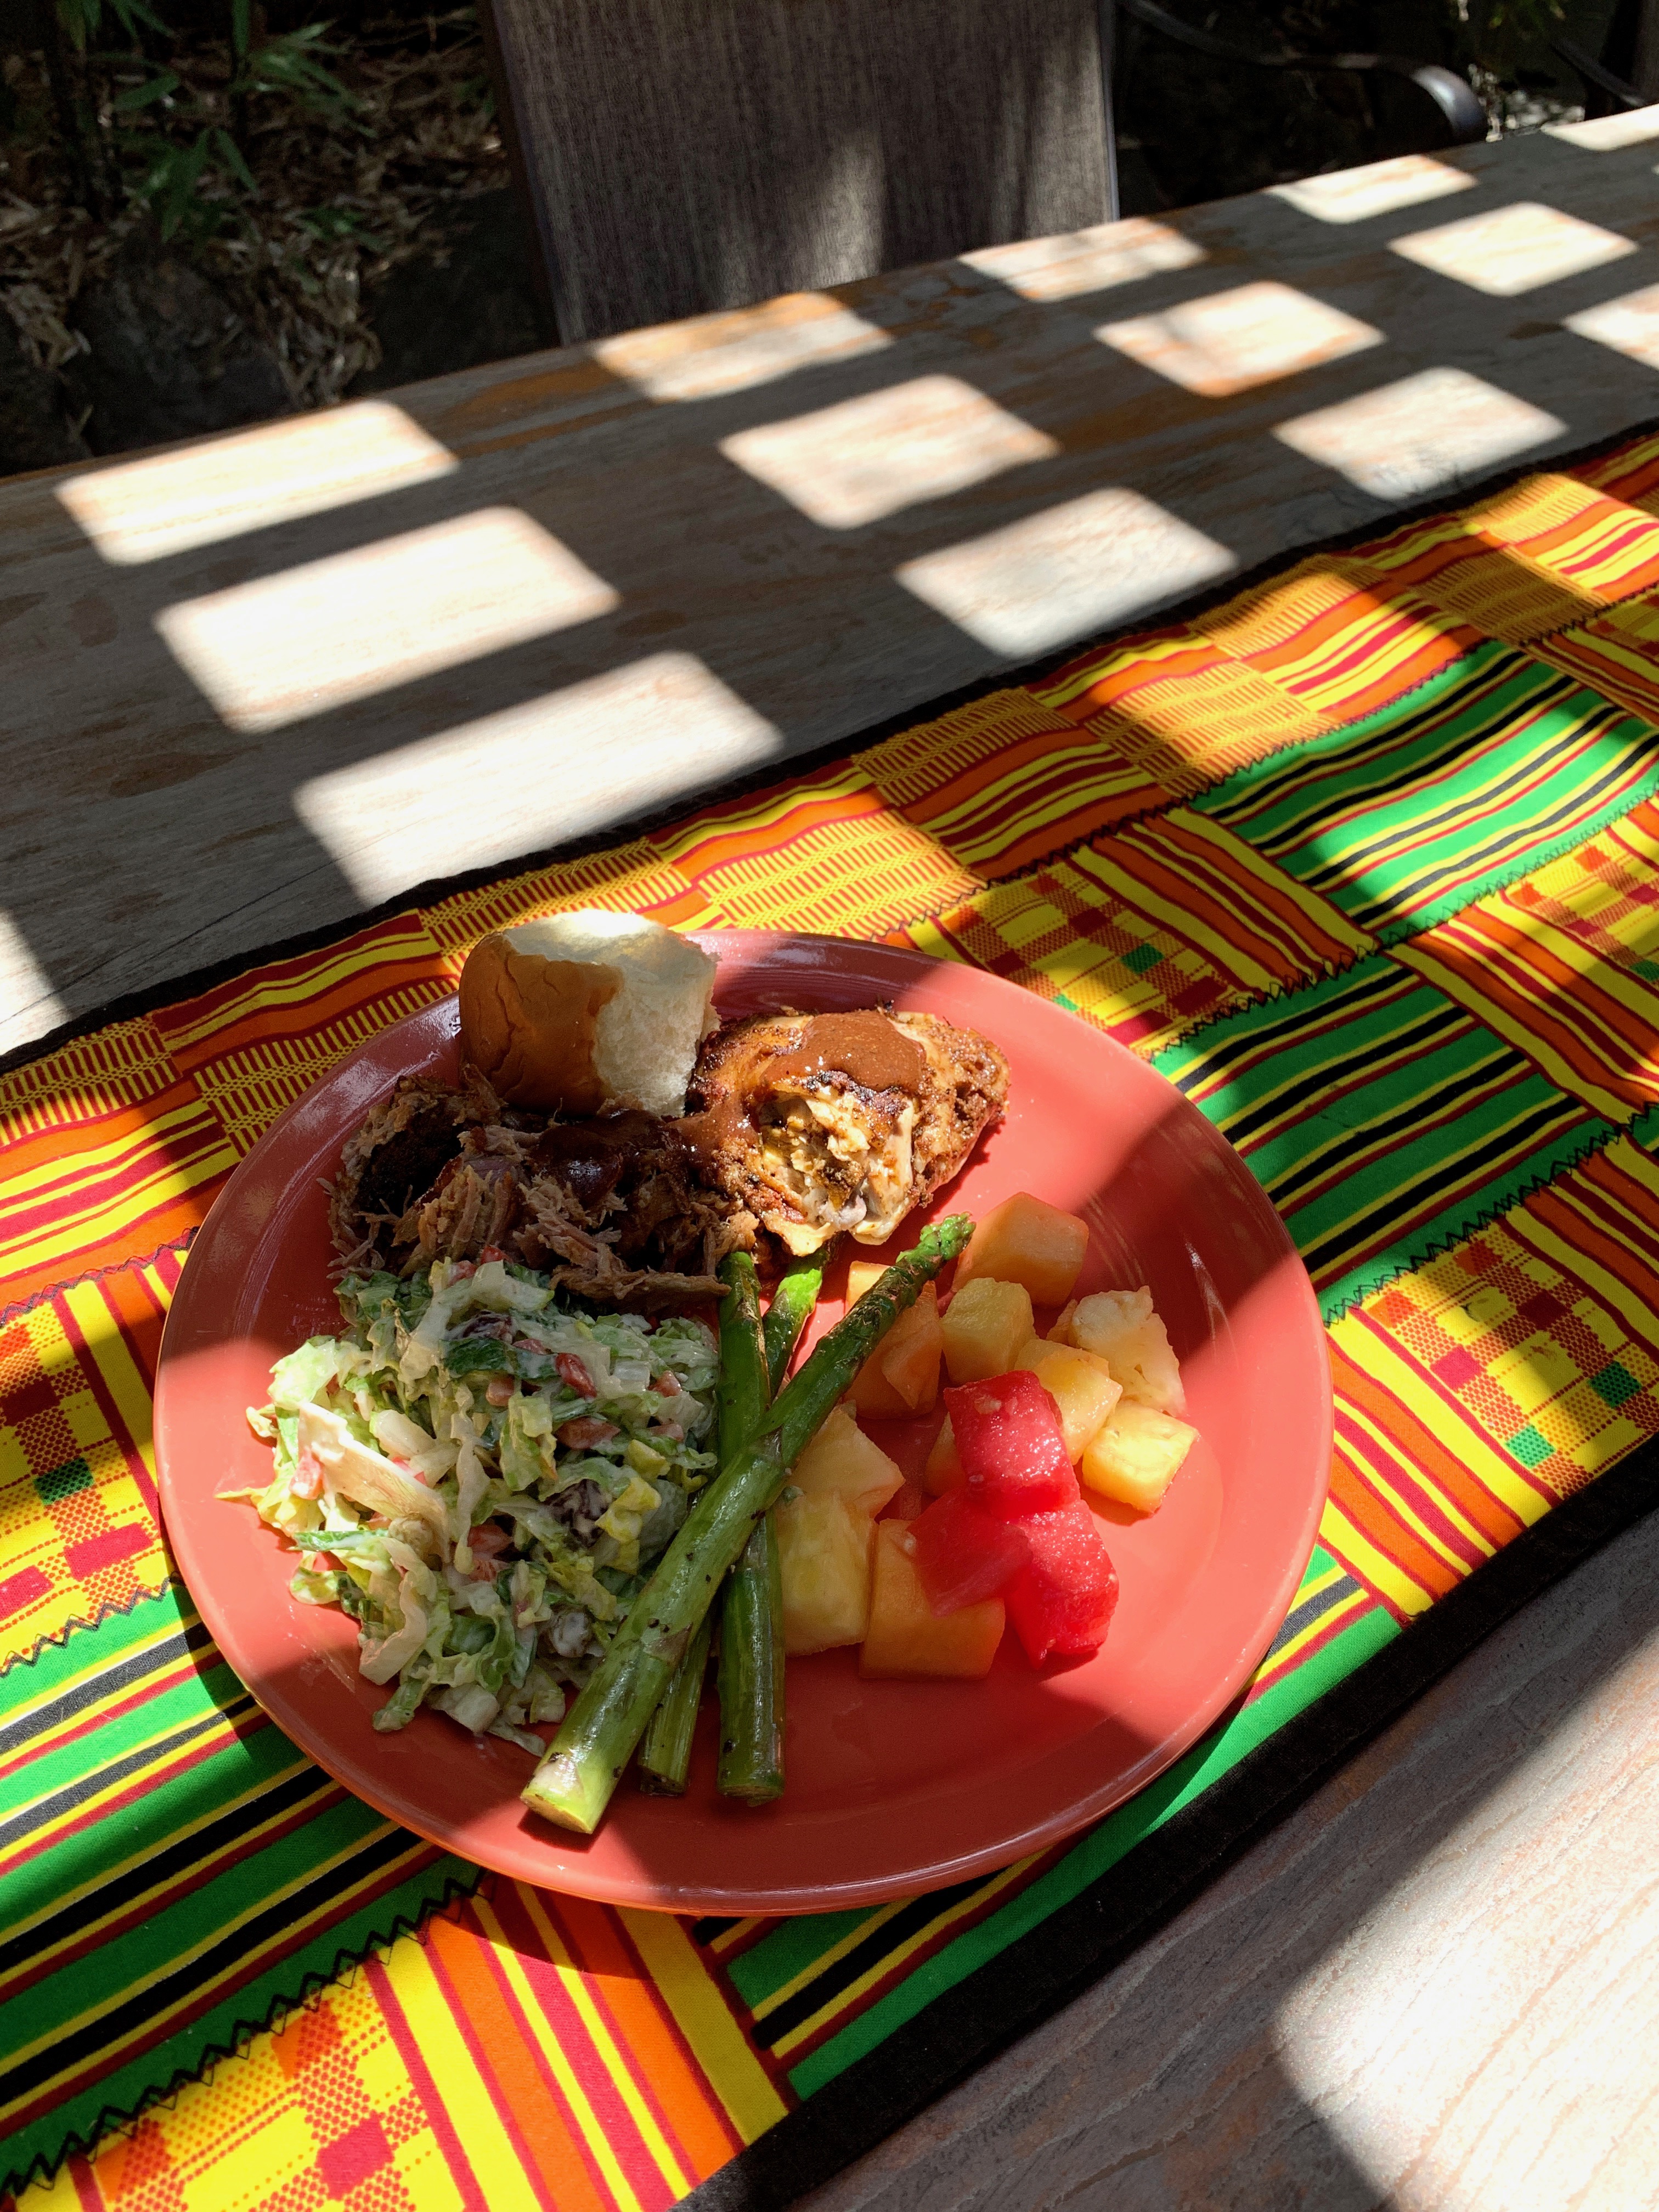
818, 1123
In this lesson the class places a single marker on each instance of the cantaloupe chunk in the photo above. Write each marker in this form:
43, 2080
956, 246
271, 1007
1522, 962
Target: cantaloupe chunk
985, 1324
906, 1636
1080, 1384
943, 1470
901, 1376
860, 1273
1122, 1328
1025, 1240
823, 1560
1136, 1455
841, 1457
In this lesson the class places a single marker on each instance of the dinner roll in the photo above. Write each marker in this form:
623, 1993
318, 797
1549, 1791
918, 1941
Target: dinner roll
584, 1012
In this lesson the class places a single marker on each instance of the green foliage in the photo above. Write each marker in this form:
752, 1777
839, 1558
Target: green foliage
81, 18
176, 138
291, 66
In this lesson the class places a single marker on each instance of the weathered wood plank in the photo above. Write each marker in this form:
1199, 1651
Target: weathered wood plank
1432, 1986
259, 685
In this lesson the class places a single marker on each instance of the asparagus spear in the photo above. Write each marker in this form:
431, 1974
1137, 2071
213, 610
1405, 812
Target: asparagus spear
790, 1309
751, 1674
573, 1782
665, 1754
750, 1670
751, 1660
745, 1388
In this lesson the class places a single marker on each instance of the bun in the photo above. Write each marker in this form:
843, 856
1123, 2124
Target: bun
584, 1012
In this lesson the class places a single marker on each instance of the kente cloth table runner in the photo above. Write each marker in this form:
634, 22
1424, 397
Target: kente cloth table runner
1365, 859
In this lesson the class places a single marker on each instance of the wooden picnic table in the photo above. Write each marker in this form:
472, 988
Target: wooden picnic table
260, 683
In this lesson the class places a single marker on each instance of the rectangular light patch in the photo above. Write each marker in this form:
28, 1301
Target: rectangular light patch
1629, 325
1513, 249
1606, 134
571, 765
1442, 427
29, 1005
169, 502
707, 354
1231, 341
874, 456
1060, 576
288, 646
1378, 188
1093, 260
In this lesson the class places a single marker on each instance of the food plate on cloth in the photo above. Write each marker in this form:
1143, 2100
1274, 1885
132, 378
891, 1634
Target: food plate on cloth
894, 1786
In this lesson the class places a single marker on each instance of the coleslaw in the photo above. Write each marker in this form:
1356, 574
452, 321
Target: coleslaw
481, 1474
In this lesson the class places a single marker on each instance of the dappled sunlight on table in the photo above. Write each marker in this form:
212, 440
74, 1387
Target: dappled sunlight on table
1441, 427
171, 503
1606, 134
1067, 570
874, 456
490, 790
1081, 261
709, 355
1629, 326
1230, 341
290, 646
1513, 249
1378, 188
1477, 2029
26, 993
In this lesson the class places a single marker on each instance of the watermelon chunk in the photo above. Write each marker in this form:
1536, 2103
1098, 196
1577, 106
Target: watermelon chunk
1063, 1598
963, 1553
1011, 1446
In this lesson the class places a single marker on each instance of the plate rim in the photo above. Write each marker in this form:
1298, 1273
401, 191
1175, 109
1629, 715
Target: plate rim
903, 963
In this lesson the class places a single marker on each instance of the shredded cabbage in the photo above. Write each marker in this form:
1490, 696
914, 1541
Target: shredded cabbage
486, 1550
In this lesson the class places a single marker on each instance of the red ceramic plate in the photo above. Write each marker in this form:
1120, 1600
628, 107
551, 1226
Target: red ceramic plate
893, 1787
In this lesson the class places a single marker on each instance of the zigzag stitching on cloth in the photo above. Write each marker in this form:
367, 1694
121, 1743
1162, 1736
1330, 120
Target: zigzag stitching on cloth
1557, 849
314, 1982
1376, 1278
1594, 1141
13, 1313
115, 1610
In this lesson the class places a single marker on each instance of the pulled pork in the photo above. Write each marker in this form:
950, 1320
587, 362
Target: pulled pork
802, 1127
616, 1208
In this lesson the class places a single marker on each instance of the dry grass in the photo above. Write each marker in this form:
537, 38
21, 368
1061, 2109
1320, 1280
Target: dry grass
337, 202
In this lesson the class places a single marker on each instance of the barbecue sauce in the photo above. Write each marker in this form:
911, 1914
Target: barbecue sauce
865, 1047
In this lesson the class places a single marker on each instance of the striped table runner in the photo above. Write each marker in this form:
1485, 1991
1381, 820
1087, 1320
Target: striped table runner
1366, 860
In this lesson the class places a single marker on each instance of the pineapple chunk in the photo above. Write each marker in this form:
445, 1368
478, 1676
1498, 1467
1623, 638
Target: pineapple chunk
1135, 1457
1061, 1331
841, 1458
1079, 1383
823, 1559
1025, 1240
943, 1470
901, 1376
906, 1636
860, 1273
910, 1358
985, 1325
1122, 1328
